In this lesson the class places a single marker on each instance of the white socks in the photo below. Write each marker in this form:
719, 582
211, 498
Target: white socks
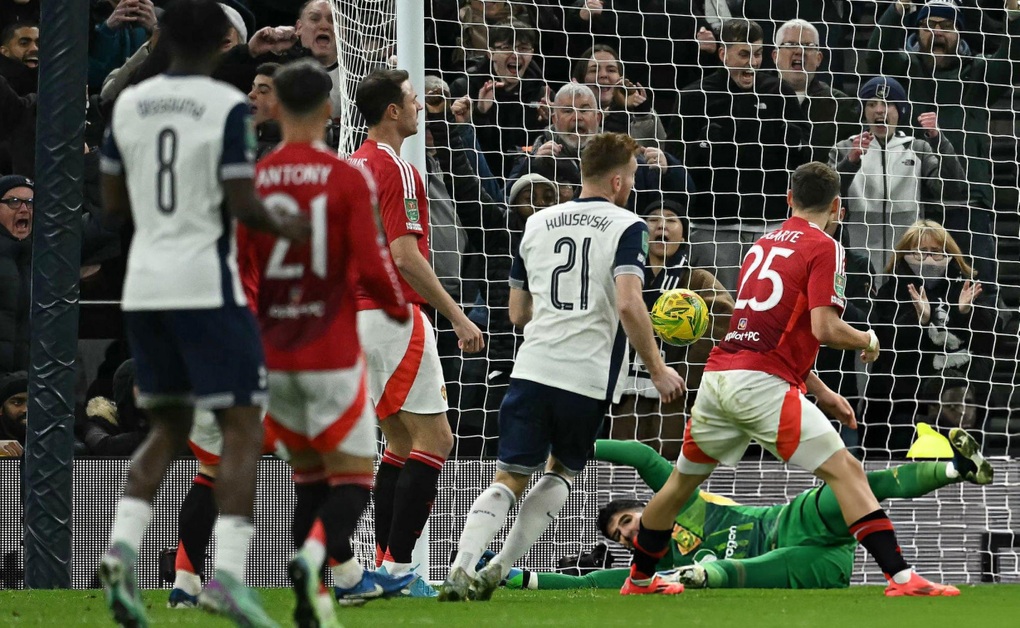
396, 569
486, 517
133, 516
188, 582
347, 575
951, 471
233, 537
538, 510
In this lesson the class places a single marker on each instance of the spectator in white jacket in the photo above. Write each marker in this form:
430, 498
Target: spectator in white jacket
890, 179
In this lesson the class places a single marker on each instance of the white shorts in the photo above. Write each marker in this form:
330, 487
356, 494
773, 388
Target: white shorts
734, 407
206, 441
404, 372
322, 410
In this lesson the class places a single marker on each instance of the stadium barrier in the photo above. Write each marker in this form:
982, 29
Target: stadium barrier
961, 534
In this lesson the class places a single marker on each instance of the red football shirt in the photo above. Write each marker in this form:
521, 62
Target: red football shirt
403, 204
305, 300
785, 275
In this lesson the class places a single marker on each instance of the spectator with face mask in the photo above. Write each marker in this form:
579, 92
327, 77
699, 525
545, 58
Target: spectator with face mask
935, 321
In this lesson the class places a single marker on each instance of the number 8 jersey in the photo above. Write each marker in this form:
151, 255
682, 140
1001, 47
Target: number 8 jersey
569, 259
786, 274
176, 139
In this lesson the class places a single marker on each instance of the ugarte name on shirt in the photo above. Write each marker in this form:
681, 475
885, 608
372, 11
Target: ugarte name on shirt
784, 235
578, 220
294, 174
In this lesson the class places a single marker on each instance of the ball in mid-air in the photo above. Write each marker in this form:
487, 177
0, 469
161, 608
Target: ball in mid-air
680, 317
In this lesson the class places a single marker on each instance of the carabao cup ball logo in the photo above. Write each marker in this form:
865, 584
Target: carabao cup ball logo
680, 317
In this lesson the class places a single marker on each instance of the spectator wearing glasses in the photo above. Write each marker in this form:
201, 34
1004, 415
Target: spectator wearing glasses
833, 115
16, 206
946, 76
576, 118
507, 93
937, 323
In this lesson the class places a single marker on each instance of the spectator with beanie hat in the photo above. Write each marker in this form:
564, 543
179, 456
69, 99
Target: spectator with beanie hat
889, 179
13, 413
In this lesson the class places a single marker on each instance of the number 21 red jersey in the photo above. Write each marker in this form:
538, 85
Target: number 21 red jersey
785, 275
306, 297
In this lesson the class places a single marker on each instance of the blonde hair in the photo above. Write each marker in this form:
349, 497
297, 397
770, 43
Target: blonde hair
911, 241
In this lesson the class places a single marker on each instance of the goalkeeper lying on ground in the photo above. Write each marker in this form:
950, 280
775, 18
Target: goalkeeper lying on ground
717, 543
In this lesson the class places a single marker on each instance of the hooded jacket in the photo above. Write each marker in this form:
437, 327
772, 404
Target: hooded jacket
893, 186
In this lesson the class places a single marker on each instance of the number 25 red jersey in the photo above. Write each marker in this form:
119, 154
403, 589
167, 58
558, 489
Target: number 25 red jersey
785, 275
306, 296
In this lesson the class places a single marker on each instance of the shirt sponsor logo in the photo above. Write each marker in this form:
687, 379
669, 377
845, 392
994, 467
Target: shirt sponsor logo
411, 209
731, 542
742, 336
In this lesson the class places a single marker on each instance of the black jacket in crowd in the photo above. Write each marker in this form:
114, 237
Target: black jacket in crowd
915, 358
739, 145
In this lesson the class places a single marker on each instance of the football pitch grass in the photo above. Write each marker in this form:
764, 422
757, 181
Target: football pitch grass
985, 606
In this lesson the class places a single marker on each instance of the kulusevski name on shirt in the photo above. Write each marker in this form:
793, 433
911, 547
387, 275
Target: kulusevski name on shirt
578, 220
294, 174
156, 106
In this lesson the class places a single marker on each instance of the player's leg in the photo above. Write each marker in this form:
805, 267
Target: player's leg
524, 439
601, 579
415, 491
711, 435
198, 512
165, 390
801, 567
405, 382
576, 421
194, 530
398, 447
223, 354
821, 451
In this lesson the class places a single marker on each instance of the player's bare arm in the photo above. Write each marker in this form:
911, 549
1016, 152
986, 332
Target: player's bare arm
634, 317
832, 331
831, 402
520, 307
116, 202
245, 205
417, 272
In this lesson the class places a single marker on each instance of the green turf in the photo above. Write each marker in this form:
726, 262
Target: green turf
988, 606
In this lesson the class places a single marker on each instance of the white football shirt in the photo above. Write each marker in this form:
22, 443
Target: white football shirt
175, 139
569, 259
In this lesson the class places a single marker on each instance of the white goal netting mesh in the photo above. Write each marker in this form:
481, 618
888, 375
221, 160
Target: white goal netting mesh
912, 103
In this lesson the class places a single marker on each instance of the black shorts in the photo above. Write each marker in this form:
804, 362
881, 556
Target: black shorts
210, 358
536, 420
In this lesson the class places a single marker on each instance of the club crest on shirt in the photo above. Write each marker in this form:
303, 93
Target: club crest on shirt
839, 285
686, 541
411, 209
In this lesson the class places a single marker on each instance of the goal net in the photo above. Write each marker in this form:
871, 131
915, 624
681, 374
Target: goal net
721, 134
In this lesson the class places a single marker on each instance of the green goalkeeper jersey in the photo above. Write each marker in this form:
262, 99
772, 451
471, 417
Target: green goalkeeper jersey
710, 526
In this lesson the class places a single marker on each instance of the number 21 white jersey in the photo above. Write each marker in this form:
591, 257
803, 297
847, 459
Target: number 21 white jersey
569, 259
175, 139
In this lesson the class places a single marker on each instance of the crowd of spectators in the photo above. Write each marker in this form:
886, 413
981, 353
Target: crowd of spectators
725, 98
